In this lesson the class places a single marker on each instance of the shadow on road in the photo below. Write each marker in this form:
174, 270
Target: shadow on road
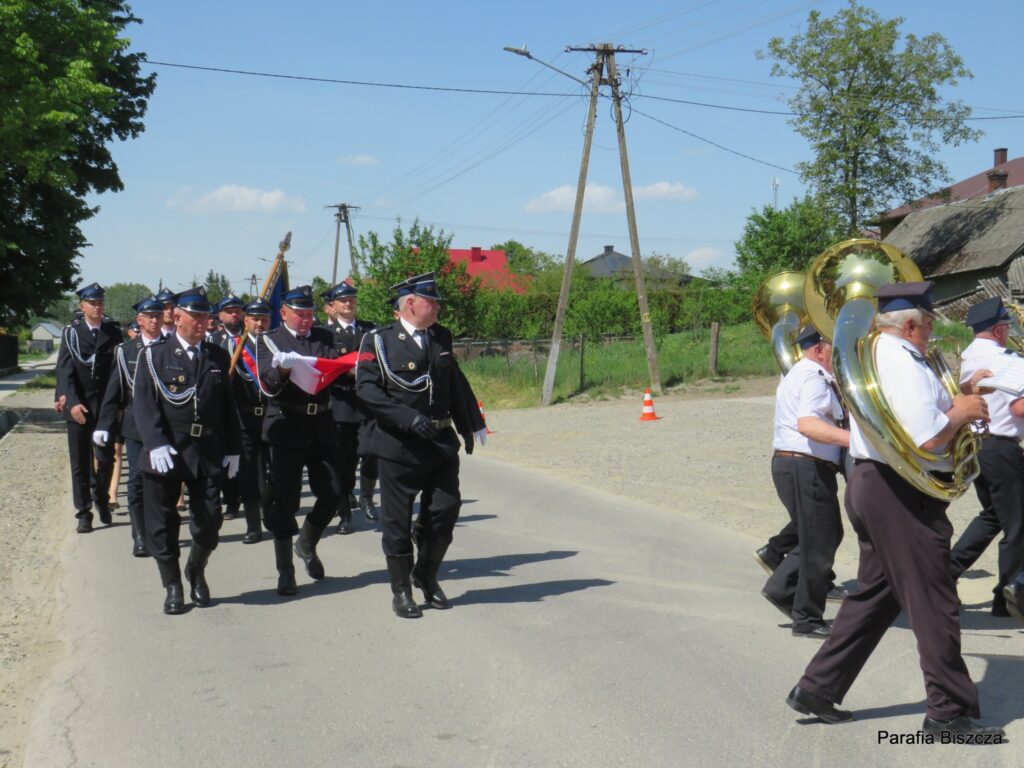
999, 688
527, 593
498, 565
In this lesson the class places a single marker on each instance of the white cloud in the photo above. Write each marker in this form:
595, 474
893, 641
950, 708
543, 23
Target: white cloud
597, 198
665, 190
358, 160
704, 256
234, 198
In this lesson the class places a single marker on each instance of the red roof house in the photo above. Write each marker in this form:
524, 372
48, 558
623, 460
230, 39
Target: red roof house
490, 266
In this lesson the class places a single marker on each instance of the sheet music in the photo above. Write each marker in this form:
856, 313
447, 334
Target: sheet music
1008, 375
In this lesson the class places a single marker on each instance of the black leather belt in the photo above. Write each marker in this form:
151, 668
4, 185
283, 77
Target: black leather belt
441, 423
797, 454
193, 430
256, 410
309, 409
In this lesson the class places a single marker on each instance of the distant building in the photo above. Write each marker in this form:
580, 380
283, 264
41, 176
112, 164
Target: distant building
611, 263
44, 336
490, 266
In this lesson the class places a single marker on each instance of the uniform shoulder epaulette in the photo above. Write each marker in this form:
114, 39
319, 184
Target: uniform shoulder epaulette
75, 323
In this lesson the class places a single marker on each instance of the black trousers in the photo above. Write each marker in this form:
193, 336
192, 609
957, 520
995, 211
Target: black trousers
251, 479
903, 537
163, 523
348, 459
90, 484
286, 464
132, 452
438, 480
810, 493
1000, 489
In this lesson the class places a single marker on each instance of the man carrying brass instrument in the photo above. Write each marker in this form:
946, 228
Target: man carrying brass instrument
1000, 487
808, 441
903, 535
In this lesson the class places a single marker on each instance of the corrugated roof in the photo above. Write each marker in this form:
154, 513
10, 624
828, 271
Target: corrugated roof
51, 328
964, 190
960, 237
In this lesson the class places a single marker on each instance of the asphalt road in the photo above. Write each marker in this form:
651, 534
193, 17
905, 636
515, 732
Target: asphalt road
586, 630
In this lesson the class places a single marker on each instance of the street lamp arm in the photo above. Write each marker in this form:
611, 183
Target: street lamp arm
525, 53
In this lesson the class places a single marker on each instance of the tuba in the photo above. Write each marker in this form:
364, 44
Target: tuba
839, 295
778, 310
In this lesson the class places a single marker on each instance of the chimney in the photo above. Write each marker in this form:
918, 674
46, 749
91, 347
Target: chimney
475, 254
996, 180
609, 248
1000, 157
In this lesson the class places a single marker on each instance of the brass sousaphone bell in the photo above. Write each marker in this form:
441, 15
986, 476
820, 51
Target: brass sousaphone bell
778, 309
839, 292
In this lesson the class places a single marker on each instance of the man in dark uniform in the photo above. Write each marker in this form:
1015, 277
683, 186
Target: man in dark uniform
231, 314
83, 368
117, 405
416, 392
254, 489
299, 429
185, 413
1000, 486
166, 297
348, 332
903, 533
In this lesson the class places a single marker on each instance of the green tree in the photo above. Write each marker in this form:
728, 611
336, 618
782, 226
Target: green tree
70, 87
411, 253
775, 239
121, 297
871, 106
524, 260
217, 286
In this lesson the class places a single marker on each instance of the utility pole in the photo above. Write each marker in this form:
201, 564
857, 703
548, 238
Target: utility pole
604, 62
775, 192
252, 285
341, 216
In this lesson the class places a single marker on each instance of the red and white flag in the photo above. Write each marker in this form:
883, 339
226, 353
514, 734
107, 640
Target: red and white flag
313, 374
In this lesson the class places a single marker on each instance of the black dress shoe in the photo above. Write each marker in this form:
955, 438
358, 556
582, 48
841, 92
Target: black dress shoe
174, 603
837, 593
815, 631
139, 549
432, 592
366, 505
105, 517
404, 606
1014, 602
251, 537
85, 524
767, 559
965, 726
306, 553
807, 703
345, 524
787, 610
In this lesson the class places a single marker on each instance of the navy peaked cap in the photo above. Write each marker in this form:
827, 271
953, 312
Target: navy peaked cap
897, 296
299, 298
990, 312
424, 285
808, 337
193, 300
258, 308
92, 292
148, 304
340, 291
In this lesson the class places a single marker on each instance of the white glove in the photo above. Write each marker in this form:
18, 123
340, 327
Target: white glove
100, 437
231, 462
160, 458
481, 436
284, 359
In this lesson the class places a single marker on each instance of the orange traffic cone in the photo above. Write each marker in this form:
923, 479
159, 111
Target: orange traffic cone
648, 412
483, 416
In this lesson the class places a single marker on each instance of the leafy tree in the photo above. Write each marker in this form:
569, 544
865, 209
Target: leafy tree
524, 260
70, 87
869, 103
412, 253
121, 297
662, 271
789, 238
217, 286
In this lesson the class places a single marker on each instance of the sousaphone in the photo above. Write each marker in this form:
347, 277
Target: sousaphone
839, 292
778, 309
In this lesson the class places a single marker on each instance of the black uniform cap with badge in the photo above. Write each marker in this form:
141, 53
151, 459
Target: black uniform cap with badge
299, 298
339, 291
258, 308
148, 305
165, 296
808, 337
989, 313
92, 292
194, 301
896, 296
229, 301
424, 285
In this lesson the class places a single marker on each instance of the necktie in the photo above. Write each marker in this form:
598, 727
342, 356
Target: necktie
95, 335
423, 340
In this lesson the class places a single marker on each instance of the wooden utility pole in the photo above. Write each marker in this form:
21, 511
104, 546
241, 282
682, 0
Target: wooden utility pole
341, 216
604, 61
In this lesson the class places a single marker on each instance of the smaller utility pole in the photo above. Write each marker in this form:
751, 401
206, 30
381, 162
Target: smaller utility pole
341, 216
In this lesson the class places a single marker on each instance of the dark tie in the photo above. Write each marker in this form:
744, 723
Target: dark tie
95, 335
193, 353
424, 342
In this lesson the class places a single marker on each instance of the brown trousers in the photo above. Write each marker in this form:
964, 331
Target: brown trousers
904, 538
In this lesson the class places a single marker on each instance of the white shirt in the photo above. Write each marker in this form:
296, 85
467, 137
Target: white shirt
185, 345
915, 394
416, 333
985, 353
805, 392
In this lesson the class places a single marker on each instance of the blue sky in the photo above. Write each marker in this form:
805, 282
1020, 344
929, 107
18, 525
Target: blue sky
229, 163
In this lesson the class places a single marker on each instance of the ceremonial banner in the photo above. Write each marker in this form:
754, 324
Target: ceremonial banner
313, 374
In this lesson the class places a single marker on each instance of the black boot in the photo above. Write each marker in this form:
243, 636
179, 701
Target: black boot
170, 576
285, 567
402, 603
305, 548
424, 575
139, 548
195, 572
253, 531
366, 505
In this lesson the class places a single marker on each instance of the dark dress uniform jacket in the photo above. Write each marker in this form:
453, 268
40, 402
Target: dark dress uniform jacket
118, 397
161, 423
395, 408
344, 403
82, 383
287, 399
250, 401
